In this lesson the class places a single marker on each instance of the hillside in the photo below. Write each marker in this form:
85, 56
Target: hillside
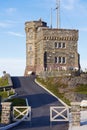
69, 89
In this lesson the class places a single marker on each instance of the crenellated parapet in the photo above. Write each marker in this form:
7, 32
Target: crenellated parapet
67, 38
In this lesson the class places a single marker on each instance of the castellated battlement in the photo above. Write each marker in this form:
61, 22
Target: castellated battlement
57, 34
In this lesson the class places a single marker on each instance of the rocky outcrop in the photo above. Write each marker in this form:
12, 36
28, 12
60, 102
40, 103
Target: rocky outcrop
74, 81
75, 96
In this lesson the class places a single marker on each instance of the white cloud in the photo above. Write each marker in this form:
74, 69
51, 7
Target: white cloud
69, 4
10, 11
15, 67
4, 25
16, 34
14, 22
76, 5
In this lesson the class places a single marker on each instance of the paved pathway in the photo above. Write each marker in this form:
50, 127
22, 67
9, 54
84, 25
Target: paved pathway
40, 102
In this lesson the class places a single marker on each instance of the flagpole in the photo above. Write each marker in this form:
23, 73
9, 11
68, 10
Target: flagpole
58, 13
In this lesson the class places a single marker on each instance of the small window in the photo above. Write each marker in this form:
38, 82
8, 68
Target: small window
55, 44
63, 60
55, 59
59, 60
63, 45
59, 45
29, 48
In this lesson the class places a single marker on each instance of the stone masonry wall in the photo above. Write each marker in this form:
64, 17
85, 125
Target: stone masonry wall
75, 112
6, 113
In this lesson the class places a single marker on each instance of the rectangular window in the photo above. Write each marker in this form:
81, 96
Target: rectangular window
59, 60
63, 45
63, 60
59, 46
55, 44
55, 59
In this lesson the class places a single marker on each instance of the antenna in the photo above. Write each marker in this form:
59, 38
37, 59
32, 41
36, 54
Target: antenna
51, 18
58, 13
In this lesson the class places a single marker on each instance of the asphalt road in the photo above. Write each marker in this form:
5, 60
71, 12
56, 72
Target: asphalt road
40, 102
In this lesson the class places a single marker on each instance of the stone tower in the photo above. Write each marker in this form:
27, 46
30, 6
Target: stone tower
31, 36
50, 49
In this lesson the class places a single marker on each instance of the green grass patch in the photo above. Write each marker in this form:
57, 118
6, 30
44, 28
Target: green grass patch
82, 89
54, 88
16, 113
17, 101
3, 82
6, 94
3, 94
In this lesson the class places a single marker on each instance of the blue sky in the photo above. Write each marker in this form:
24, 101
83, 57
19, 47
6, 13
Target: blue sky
14, 14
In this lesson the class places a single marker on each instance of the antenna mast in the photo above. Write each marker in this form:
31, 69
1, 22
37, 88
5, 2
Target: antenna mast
51, 17
58, 13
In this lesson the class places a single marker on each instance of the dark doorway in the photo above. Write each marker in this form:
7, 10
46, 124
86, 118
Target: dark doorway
45, 60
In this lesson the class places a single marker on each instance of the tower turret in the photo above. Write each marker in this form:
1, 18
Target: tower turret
31, 34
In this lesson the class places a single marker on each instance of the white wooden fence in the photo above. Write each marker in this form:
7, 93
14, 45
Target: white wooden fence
20, 111
59, 113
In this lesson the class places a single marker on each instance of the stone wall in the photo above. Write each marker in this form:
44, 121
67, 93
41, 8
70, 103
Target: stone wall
75, 113
75, 80
6, 113
71, 83
46, 43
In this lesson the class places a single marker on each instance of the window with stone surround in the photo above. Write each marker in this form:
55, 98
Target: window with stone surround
63, 45
56, 46
63, 60
29, 47
60, 60
55, 59
60, 45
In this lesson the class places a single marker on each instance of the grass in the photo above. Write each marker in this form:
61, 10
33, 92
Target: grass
82, 89
4, 94
60, 89
3, 82
16, 113
54, 88
17, 101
